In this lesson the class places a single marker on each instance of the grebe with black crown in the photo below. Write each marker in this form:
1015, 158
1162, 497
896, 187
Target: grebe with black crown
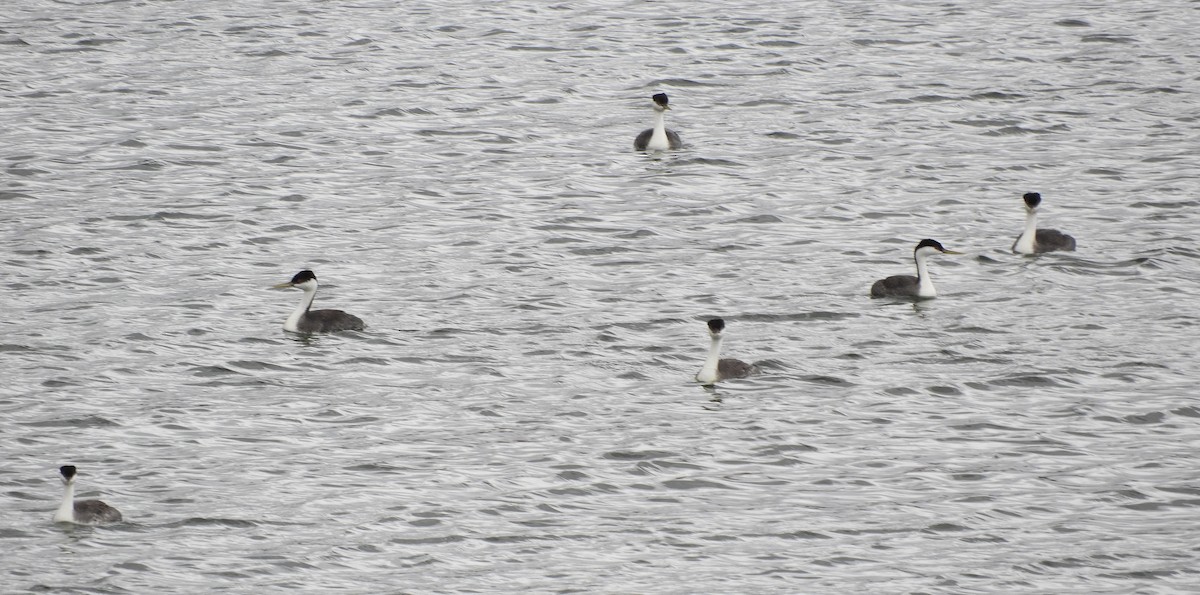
716, 369
1037, 241
307, 321
658, 138
921, 286
82, 512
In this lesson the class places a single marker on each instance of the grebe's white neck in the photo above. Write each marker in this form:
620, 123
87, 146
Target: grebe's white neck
66, 510
925, 288
1024, 243
708, 373
658, 139
292, 324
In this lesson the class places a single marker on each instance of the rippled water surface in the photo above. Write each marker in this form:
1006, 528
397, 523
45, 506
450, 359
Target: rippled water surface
520, 414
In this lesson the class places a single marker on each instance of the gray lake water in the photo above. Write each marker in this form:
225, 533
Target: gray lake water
520, 414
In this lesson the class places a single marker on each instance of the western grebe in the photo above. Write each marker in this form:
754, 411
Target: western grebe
82, 512
1036, 241
920, 286
716, 369
658, 138
304, 320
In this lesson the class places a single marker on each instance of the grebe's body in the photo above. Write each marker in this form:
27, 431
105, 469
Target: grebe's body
82, 512
306, 320
715, 368
658, 138
919, 287
1037, 241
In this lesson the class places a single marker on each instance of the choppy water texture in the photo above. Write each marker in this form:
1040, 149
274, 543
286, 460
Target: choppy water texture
520, 415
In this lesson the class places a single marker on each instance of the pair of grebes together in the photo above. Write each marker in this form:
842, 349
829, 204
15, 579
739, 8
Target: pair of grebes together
306, 320
1032, 240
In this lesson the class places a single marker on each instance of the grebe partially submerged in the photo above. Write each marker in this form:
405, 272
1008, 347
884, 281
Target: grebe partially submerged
82, 512
921, 286
1036, 241
305, 320
716, 369
658, 138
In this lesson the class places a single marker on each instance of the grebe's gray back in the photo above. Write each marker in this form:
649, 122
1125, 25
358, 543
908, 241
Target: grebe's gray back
715, 368
1037, 241
305, 320
920, 286
658, 138
82, 512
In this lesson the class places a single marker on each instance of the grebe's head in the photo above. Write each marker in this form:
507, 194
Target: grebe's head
660, 102
305, 279
927, 246
1032, 200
